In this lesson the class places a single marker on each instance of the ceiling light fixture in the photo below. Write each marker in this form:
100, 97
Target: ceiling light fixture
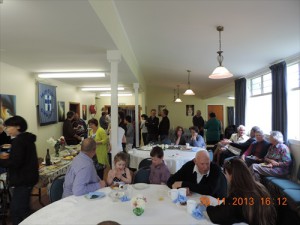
71, 75
100, 89
178, 99
120, 94
220, 72
189, 91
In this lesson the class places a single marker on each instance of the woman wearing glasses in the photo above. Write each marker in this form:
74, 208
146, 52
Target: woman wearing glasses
247, 199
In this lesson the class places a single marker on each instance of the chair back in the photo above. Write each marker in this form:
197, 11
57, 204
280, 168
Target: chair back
145, 163
142, 175
57, 188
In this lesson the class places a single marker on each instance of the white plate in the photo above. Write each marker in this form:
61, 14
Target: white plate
141, 186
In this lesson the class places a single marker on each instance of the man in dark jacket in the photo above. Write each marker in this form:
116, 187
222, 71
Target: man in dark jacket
152, 126
164, 125
22, 164
198, 121
200, 176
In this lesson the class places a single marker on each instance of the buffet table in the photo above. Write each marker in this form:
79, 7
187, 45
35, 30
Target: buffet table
80, 210
174, 158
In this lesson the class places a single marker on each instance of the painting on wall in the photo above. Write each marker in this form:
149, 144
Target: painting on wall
7, 106
160, 108
61, 111
47, 110
189, 110
84, 111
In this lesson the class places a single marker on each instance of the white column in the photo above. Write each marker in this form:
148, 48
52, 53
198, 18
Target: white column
114, 57
136, 109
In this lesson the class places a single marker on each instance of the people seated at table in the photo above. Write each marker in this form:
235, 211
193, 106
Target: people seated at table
239, 137
245, 199
159, 172
277, 160
201, 176
81, 177
152, 126
80, 126
68, 132
257, 150
100, 136
213, 129
120, 173
179, 138
164, 126
22, 165
196, 139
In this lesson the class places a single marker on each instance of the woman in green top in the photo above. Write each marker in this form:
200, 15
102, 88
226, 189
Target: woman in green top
100, 136
213, 127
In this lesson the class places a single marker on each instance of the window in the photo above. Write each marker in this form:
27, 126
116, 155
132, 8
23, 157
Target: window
261, 85
293, 99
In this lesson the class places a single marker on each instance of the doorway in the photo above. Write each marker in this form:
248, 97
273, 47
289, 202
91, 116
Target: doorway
75, 107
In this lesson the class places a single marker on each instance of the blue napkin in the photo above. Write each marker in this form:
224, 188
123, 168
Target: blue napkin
180, 199
95, 194
198, 212
125, 198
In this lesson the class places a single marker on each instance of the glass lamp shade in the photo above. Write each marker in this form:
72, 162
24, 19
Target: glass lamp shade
189, 92
220, 73
178, 100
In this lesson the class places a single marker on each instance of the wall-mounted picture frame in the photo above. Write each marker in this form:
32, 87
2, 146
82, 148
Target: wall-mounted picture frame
160, 108
7, 106
61, 111
84, 112
47, 109
189, 110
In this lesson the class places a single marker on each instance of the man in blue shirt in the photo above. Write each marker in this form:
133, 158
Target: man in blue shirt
81, 177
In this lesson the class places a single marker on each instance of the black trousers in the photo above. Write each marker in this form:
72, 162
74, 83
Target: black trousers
20, 203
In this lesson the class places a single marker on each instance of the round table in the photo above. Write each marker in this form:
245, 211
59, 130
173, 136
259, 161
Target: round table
80, 210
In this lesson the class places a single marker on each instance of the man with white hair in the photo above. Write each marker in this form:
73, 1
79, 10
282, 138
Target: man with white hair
201, 176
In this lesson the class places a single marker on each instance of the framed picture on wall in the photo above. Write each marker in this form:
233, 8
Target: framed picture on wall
84, 111
7, 106
61, 111
160, 108
47, 110
189, 110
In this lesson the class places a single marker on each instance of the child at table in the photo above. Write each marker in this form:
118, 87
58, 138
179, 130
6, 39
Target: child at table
159, 172
120, 173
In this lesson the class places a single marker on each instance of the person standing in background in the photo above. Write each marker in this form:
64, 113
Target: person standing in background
164, 126
213, 127
130, 131
4, 139
144, 129
68, 132
152, 126
103, 122
80, 126
23, 168
198, 121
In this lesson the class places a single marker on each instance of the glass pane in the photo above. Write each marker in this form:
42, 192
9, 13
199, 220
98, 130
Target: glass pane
293, 76
293, 115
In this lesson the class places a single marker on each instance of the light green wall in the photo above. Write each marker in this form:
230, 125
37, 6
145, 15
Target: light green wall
15, 81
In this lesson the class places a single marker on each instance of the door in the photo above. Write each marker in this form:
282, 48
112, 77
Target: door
75, 107
219, 111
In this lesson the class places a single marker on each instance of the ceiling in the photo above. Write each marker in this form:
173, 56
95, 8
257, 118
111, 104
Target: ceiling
166, 38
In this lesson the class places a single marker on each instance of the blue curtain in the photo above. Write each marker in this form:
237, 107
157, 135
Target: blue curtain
279, 98
240, 101
230, 115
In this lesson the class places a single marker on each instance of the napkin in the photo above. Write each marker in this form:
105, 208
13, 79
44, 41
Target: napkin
198, 212
95, 194
180, 199
125, 198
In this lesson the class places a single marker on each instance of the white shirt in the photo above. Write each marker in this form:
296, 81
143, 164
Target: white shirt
199, 175
121, 133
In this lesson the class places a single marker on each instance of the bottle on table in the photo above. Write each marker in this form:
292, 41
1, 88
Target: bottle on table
48, 158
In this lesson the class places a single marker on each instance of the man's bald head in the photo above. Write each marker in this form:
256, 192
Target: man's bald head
202, 161
88, 145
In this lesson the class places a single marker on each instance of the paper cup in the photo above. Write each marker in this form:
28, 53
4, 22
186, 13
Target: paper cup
190, 206
182, 191
173, 194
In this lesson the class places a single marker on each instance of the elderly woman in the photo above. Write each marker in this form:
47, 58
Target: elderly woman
277, 159
179, 136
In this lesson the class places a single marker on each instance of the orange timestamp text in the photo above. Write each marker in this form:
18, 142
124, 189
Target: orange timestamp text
250, 201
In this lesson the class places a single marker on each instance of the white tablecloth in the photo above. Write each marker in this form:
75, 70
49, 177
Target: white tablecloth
80, 210
174, 159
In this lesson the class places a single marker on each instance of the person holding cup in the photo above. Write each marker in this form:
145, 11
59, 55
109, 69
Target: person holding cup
201, 176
